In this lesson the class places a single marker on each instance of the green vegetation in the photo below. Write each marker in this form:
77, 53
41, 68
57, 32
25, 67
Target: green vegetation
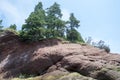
69, 76
1, 27
48, 23
72, 34
13, 27
34, 29
44, 24
55, 26
100, 44
23, 76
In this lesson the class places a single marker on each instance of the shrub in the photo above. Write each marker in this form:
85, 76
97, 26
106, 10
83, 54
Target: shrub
11, 30
100, 44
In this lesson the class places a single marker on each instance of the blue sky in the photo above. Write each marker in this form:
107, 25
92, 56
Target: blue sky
100, 19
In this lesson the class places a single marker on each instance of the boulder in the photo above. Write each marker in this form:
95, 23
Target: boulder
108, 75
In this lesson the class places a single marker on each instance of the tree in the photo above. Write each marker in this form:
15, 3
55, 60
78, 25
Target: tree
73, 22
72, 34
34, 29
1, 25
54, 10
55, 26
14, 27
89, 41
48, 24
101, 44
38, 7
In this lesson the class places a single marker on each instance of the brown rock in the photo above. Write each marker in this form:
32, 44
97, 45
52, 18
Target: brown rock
108, 75
51, 55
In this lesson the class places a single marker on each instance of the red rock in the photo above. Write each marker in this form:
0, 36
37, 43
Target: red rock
50, 55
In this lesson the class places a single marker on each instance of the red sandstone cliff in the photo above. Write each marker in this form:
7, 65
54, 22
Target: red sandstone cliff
46, 56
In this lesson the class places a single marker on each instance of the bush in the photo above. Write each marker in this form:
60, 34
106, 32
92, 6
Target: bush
100, 44
105, 47
74, 36
11, 30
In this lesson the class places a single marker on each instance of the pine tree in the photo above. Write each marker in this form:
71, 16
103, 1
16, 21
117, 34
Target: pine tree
34, 29
55, 26
14, 27
73, 22
1, 25
72, 34
48, 24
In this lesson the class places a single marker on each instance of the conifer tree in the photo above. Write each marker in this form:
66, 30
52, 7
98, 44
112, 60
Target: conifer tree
34, 29
55, 26
1, 25
14, 27
72, 34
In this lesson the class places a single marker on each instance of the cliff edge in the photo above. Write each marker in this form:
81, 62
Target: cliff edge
52, 57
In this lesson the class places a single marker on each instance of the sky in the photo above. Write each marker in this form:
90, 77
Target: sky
99, 19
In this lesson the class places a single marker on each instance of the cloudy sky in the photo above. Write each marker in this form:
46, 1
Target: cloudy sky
100, 19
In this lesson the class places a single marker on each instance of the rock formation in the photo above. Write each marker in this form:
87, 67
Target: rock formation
53, 59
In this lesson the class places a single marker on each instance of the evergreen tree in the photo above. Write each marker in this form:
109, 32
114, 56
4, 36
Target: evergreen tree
34, 29
14, 27
38, 7
41, 24
55, 26
73, 22
1, 25
72, 34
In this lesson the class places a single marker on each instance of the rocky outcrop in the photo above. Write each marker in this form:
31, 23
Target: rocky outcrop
61, 76
54, 57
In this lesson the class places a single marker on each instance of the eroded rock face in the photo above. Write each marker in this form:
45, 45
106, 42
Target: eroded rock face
59, 76
51, 55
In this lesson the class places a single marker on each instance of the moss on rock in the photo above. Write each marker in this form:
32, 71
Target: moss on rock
70, 76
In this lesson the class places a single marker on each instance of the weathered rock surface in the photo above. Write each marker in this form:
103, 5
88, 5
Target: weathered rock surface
47, 56
69, 76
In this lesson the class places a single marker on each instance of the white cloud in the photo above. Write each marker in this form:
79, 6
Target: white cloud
10, 12
8, 8
15, 12
66, 14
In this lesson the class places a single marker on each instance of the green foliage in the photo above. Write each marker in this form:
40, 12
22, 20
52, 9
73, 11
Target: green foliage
55, 26
34, 29
62, 76
11, 30
38, 7
118, 69
1, 25
32, 35
43, 24
100, 44
73, 22
54, 10
74, 36
14, 27
23, 76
